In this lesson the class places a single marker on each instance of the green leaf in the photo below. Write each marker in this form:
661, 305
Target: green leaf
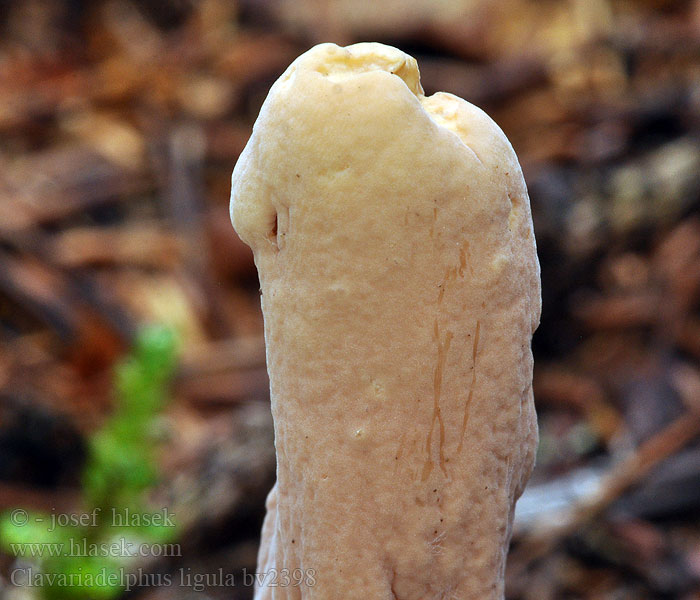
119, 471
36, 530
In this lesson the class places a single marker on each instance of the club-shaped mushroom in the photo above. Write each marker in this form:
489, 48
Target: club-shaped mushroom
400, 290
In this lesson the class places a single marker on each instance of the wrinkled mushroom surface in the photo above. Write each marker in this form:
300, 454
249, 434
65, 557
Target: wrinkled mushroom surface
400, 290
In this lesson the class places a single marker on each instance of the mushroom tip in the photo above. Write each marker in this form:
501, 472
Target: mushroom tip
338, 63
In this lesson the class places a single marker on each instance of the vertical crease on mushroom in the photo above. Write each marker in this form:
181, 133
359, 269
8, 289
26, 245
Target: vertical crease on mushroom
467, 404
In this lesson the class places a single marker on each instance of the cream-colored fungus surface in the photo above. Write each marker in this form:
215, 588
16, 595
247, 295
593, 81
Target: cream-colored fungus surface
400, 290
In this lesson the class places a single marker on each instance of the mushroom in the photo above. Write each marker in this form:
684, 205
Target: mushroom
400, 290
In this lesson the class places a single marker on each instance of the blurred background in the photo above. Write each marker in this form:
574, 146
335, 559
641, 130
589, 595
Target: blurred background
120, 124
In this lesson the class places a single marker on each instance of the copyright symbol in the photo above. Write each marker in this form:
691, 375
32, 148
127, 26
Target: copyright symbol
19, 517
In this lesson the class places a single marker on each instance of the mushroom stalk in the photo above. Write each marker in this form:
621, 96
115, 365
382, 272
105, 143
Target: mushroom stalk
400, 290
